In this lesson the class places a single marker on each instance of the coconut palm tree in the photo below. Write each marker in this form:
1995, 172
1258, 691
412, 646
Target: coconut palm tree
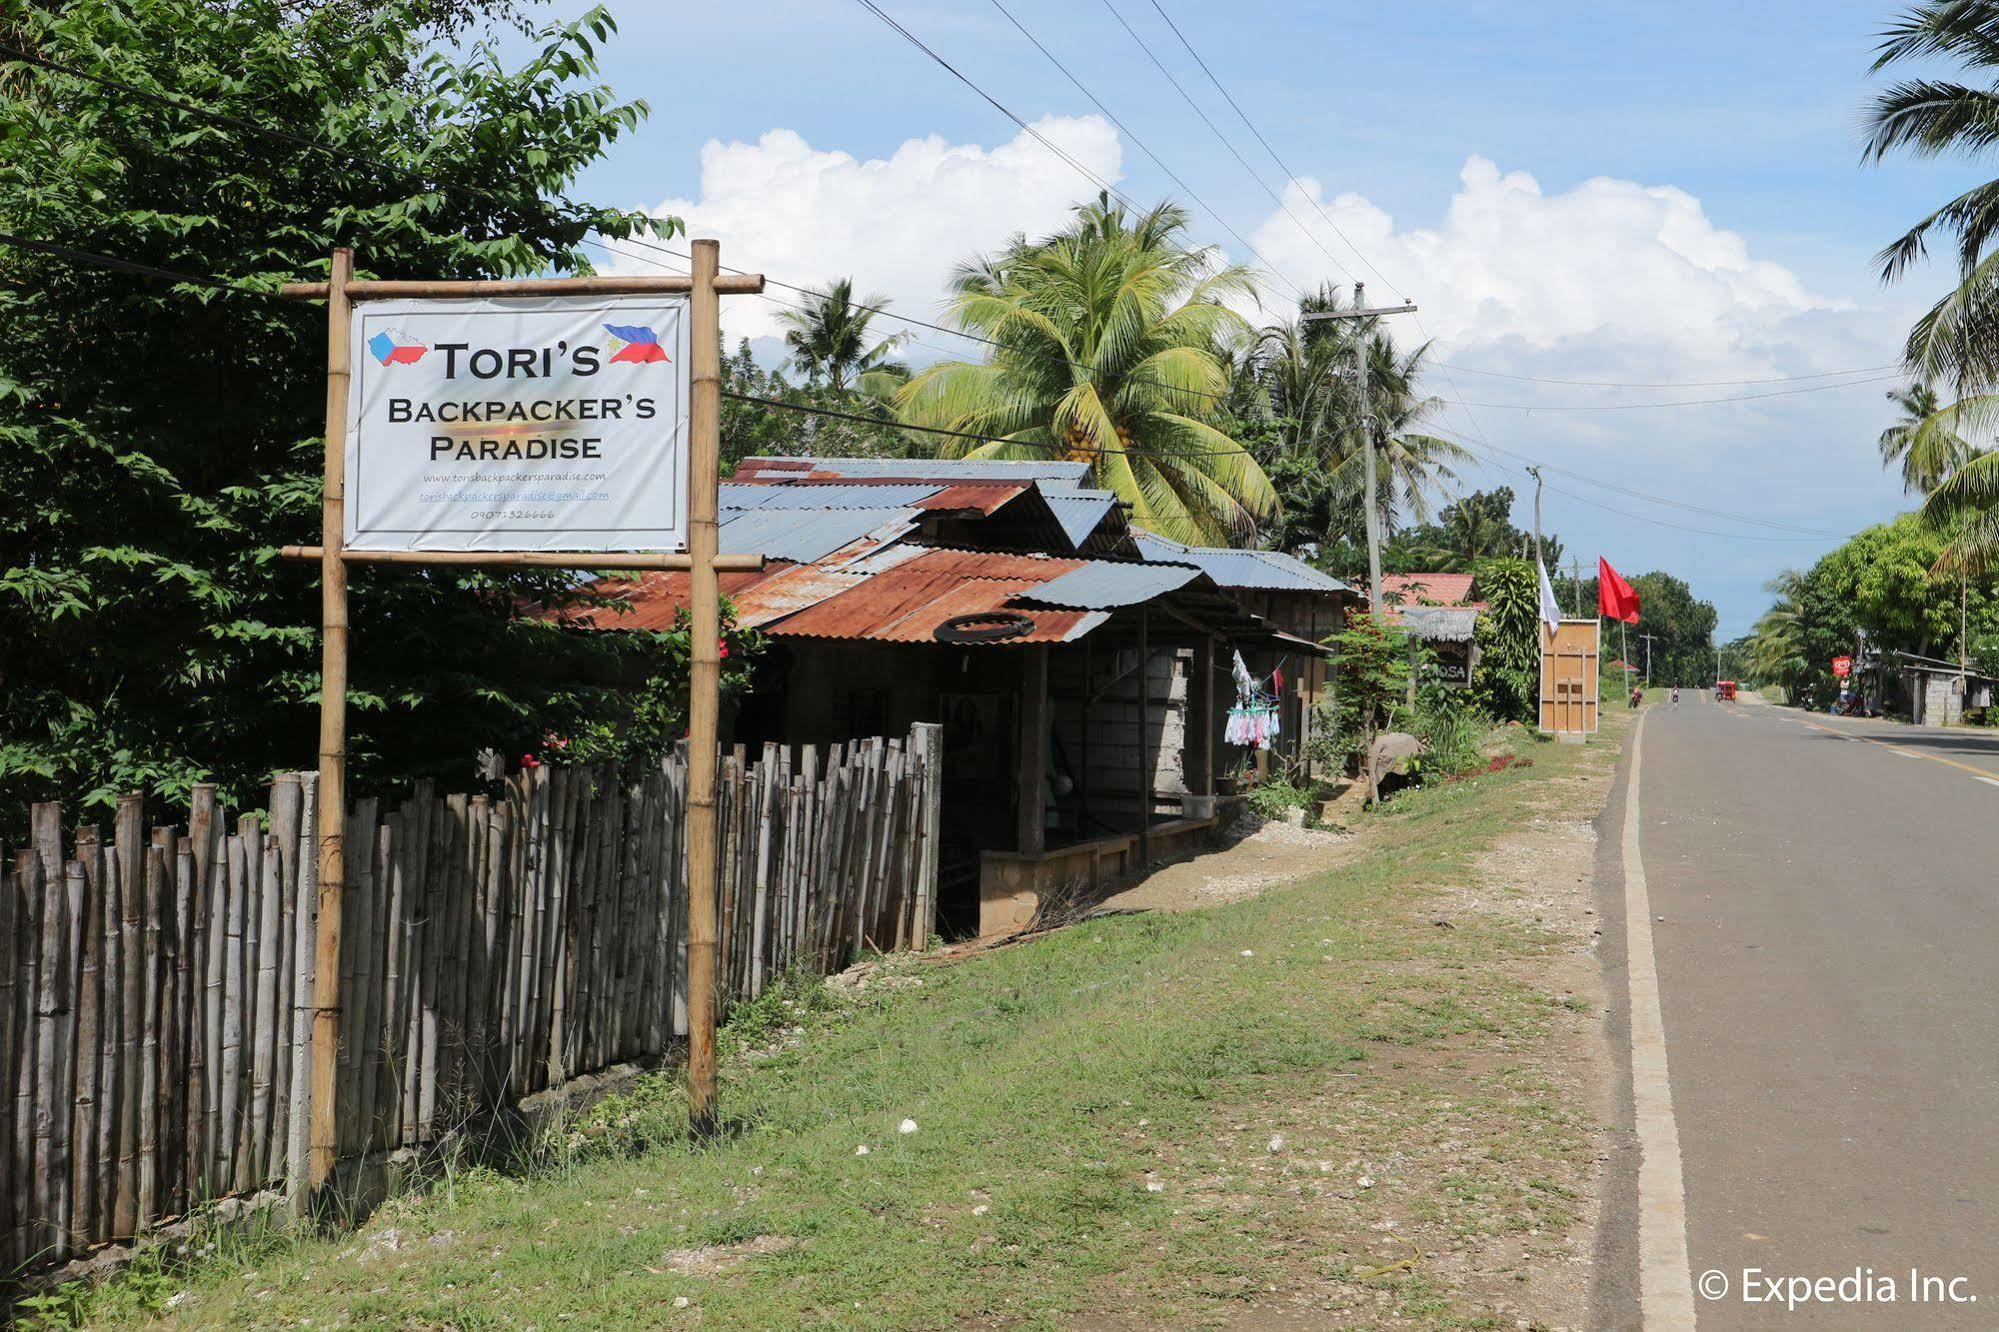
829, 340
1958, 340
1925, 443
1111, 341
1307, 369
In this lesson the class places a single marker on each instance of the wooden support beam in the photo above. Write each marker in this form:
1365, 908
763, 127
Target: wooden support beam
1200, 728
1031, 749
534, 559
376, 289
1144, 737
332, 797
704, 419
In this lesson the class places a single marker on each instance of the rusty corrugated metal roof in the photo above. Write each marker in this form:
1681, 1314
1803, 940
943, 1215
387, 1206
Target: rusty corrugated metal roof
654, 598
907, 603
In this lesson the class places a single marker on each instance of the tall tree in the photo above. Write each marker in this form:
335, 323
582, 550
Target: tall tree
832, 341
1111, 338
1306, 367
1957, 341
1924, 443
160, 439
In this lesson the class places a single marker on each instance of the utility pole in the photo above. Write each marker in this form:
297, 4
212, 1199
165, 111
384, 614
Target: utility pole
1373, 515
1535, 472
1577, 566
1648, 658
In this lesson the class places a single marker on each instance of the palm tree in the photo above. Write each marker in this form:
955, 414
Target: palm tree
1925, 442
1957, 341
829, 341
1111, 339
1776, 651
1306, 367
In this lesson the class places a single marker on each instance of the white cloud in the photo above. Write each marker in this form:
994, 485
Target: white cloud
897, 225
1514, 268
1607, 280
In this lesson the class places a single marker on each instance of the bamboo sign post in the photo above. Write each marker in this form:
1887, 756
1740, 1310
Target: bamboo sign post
634, 519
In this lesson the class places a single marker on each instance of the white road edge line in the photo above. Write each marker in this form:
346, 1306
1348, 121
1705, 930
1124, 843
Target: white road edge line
1665, 1275
1989, 781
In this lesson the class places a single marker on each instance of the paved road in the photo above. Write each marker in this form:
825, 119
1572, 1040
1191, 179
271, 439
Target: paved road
1825, 923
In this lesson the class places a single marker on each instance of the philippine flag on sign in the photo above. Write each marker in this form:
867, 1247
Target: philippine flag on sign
641, 344
392, 346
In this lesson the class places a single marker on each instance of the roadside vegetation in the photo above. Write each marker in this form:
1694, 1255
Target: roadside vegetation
1922, 583
1337, 1096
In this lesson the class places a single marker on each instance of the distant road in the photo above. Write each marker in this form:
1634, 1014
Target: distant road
1824, 895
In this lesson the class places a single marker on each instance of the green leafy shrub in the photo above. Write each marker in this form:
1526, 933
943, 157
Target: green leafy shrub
1273, 798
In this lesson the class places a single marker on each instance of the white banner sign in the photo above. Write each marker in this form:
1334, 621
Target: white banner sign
523, 423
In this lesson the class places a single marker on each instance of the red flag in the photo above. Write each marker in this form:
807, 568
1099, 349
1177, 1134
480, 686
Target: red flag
1615, 598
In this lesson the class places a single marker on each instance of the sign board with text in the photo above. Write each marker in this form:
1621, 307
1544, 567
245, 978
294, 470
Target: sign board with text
1842, 666
545, 423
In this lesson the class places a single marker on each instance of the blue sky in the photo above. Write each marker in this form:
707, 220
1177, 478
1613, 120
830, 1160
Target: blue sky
1608, 191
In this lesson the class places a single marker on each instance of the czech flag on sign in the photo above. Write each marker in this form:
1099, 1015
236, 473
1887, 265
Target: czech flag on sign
392, 346
641, 344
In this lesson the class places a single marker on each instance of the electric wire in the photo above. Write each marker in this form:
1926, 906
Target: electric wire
1215, 129
1144, 148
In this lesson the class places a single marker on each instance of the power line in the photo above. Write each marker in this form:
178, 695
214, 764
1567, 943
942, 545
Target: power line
837, 415
1289, 174
993, 102
1143, 147
283, 136
1683, 402
1681, 527
1676, 384
92, 259
1803, 533
95, 260
1216, 131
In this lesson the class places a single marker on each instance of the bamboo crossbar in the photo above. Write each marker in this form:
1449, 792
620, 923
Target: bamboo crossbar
539, 559
376, 289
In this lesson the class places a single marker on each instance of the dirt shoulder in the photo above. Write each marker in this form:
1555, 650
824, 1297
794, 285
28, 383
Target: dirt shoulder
1367, 1094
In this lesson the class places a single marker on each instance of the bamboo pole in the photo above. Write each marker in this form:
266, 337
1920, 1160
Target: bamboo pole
297, 1132
50, 999
704, 698
11, 967
131, 1001
90, 983
286, 814
267, 1022
331, 821
532, 559
375, 289
153, 882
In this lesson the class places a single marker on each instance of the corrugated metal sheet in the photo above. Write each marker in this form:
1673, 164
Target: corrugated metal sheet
654, 599
790, 590
1439, 624
1060, 474
1080, 511
1263, 570
804, 535
978, 496
1106, 585
900, 495
906, 603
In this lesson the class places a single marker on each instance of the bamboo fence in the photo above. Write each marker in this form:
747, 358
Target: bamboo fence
156, 986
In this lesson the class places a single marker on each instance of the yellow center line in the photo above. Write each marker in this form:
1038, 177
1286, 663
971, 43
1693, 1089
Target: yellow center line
1984, 774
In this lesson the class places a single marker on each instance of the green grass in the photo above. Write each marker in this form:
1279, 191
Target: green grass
1051, 1081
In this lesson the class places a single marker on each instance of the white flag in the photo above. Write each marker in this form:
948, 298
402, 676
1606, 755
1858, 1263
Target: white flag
1551, 609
